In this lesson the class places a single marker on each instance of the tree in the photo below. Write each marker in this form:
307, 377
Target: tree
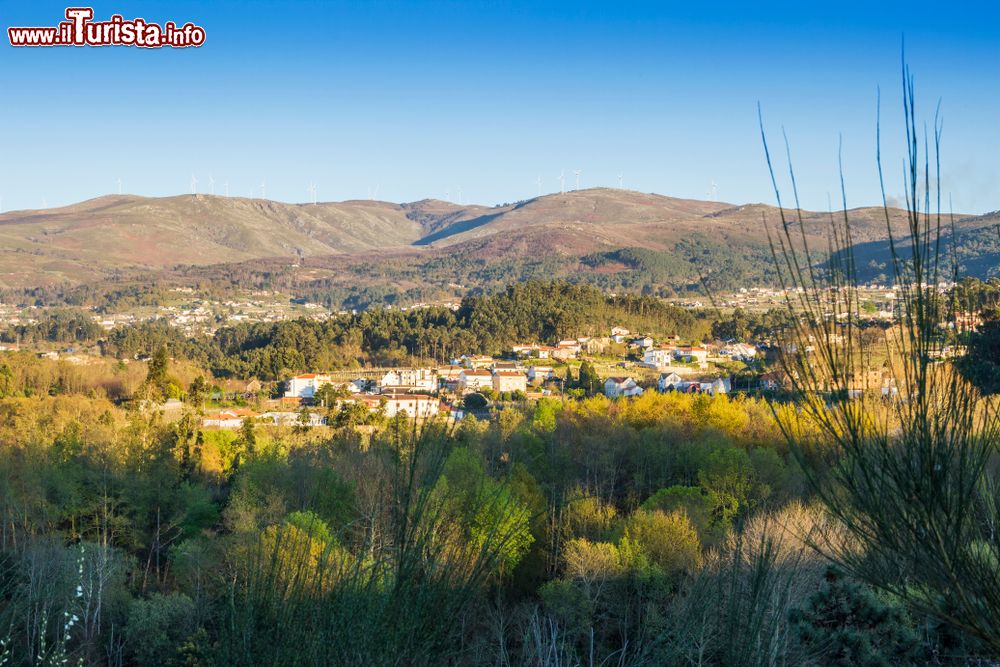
589, 381
350, 413
157, 626
157, 373
982, 362
247, 440
303, 420
668, 540
6, 381
328, 394
592, 565
696, 503
736, 328
475, 401
568, 383
846, 624
198, 391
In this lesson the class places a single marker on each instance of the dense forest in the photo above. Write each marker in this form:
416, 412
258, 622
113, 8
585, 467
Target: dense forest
65, 325
559, 530
531, 312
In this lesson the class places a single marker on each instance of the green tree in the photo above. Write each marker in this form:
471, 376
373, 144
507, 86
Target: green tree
589, 381
156, 628
198, 391
7, 388
982, 361
157, 372
246, 442
846, 624
669, 541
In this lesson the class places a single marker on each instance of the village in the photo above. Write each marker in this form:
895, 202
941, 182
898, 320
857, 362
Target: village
620, 365
471, 384
200, 314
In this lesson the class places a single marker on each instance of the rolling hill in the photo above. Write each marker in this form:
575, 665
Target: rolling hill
617, 239
974, 242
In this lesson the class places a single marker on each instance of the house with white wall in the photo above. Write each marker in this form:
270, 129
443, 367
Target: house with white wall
509, 381
619, 387
539, 374
306, 385
473, 380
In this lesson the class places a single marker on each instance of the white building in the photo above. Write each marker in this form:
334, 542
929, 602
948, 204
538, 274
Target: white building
617, 387
644, 342
657, 357
566, 349
420, 379
509, 381
414, 405
539, 374
696, 354
306, 386
228, 418
474, 380
710, 386
505, 366
668, 381
418, 406
739, 351
474, 361
532, 350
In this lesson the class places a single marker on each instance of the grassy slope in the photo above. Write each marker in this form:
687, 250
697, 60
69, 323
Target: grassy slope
666, 241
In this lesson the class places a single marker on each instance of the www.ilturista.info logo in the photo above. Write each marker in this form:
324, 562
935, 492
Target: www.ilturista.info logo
81, 30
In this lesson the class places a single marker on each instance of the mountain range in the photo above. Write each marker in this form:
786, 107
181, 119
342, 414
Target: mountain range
618, 239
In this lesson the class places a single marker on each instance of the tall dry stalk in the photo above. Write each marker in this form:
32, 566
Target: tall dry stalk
906, 476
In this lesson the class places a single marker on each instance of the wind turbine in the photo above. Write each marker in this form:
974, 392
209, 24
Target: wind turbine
577, 172
712, 192
263, 189
562, 182
211, 184
539, 183
312, 192
620, 181
1, 204
194, 185
119, 185
377, 186
459, 195
227, 188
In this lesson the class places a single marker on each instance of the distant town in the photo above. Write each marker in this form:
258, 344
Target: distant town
620, 364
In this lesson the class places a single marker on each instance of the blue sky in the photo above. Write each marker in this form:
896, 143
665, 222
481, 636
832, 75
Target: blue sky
424, 99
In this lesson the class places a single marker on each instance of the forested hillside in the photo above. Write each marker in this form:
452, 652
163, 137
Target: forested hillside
530, 312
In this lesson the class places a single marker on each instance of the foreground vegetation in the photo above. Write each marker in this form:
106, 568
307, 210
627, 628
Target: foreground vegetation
656, 530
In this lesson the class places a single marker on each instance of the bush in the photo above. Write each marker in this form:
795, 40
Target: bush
668, 540
157, 626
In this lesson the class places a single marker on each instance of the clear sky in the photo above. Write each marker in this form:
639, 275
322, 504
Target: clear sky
428, 99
